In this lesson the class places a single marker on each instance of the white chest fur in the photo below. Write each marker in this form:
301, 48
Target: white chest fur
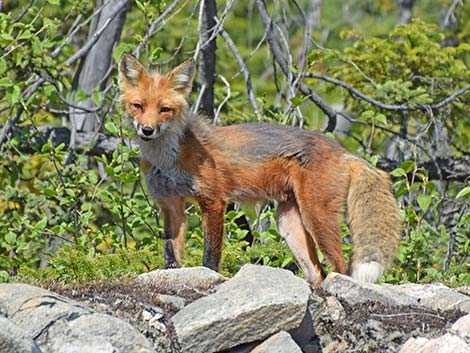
165, 178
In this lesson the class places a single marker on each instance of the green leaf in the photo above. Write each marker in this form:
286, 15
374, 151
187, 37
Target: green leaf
156, 54
464, 192
381, 119
424, 201
10, 238
286, 261
296, 101
4, 276
13, 93
140, 5
368, 114
81, 96
111, 127
41, 224
407, 166
398, 172
3, 67
49, 192
5, 82
373, 160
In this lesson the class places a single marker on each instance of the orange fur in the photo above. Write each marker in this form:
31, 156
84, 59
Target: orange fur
313, 179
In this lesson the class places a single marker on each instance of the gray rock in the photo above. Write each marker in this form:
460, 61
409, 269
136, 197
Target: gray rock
14, 340
353, 292
181, 279
464, 289
60, 325
38, 308
94, 333
462, 327
435, 296
444, 344
14, 295
281, 342
256, 303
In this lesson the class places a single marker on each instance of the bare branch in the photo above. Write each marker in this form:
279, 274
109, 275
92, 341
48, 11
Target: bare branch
313, 96
449, 168
391, 107
243, 68
152, 27
227, 97
84, 50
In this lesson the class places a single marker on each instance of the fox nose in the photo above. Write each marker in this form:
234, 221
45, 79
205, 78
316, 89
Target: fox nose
147, 130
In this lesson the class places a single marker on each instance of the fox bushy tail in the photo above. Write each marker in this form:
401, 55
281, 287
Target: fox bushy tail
374, 220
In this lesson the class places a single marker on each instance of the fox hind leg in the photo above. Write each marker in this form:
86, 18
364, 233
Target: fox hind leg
301, 244
213, 225
321, 212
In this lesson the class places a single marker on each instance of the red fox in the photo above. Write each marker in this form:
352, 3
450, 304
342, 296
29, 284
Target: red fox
312, 178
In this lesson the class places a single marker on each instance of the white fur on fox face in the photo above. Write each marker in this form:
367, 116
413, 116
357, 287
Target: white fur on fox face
157, 131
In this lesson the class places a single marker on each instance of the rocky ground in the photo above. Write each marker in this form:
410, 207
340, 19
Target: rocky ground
261, 309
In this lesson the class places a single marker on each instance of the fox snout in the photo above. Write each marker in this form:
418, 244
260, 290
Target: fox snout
148, 132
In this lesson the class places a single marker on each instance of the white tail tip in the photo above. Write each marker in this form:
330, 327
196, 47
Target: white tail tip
367, 272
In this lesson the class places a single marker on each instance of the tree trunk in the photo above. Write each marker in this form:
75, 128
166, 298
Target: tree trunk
406, 10
207, 41
95, 68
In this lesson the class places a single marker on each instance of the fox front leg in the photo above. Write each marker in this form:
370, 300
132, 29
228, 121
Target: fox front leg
174, 229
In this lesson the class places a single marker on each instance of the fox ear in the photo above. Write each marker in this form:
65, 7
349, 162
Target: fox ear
182, 76
130, 70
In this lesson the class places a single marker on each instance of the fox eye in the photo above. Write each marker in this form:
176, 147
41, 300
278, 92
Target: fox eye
137, 106
165, 110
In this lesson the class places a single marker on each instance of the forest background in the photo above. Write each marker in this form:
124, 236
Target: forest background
389, 80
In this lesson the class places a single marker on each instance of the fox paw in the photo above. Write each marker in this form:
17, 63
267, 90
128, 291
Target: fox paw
172, 265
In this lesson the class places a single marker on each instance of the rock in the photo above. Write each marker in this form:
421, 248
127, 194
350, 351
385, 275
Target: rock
444, 344
462, 327
175, 301
435, 296
413, 344
94, 333
344, 287
34, 310
281, 342
58, 324
180, 280
464, 289
14, 340
256, 303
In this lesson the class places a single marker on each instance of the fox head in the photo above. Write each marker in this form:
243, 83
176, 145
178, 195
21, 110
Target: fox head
156, 102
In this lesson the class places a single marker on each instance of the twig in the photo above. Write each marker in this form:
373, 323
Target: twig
391, 107
152, 27
91, 42
243, 69
227, 97
313, 96
408, 314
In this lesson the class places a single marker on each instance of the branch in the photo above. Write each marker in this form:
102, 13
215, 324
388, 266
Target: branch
449, 169
91, 42
313, 96
243, 68
403, 107
152, 27
90, 144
